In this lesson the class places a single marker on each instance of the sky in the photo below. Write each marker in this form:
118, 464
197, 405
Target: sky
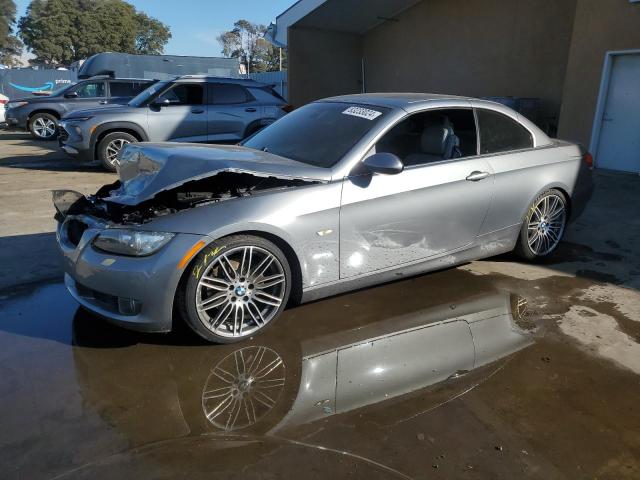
195, 24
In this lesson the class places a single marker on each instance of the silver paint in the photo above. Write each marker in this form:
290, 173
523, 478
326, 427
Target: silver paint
383, 226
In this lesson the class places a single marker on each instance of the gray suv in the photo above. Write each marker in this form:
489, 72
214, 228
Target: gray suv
40, 115
183, 109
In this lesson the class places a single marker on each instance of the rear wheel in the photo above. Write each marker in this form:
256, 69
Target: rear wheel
543, 226
110, 146
43, 126
236, 287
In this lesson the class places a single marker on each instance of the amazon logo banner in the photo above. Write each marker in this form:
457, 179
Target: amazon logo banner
20, 83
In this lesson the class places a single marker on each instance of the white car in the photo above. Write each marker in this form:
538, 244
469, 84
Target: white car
3, 101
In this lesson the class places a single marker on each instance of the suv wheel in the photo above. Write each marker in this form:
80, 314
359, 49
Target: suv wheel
43, 126
110, 146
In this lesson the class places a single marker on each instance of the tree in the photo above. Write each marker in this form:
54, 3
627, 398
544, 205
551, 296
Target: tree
60, 32
151, 35
246, 42
10, 46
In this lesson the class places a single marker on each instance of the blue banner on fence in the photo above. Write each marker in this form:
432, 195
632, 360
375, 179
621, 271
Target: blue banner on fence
17, 83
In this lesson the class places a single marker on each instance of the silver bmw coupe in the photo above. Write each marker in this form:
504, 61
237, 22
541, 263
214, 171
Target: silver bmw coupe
343, 193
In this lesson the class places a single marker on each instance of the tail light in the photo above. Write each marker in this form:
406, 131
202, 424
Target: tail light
588, 159
4, 101
287, 108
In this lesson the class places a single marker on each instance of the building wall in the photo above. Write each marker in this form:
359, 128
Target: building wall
323, 63
476, 48
600, 26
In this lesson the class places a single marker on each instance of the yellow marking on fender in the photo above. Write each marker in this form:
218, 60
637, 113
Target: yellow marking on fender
198, 268
107, 262
190, 253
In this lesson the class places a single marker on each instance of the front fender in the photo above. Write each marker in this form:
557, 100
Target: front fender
305, 218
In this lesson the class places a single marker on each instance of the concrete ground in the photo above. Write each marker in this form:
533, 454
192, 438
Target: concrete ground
557, 398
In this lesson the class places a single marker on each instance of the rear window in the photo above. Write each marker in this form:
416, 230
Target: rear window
318, 134
499, 133
227, 94
127, 89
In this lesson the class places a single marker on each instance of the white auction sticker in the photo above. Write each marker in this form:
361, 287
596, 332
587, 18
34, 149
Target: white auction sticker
362, 113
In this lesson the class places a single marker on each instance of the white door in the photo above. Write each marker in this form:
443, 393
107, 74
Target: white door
619, 143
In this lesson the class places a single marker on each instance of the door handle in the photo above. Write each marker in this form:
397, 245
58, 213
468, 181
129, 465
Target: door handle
250, 109
477, 176
103, 102
197, 110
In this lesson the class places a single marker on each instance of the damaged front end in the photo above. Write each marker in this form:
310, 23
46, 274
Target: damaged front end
163, 179
222, 186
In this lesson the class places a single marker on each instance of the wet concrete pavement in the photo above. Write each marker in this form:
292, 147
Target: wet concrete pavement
446, 375
496, 369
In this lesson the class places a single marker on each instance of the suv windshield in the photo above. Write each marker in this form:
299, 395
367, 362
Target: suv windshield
318, 134
144, 95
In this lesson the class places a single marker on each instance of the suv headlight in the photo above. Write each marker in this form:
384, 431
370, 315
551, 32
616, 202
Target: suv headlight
134, 243
16, 104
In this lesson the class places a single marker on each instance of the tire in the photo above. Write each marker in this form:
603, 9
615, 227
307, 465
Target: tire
543, 226
110, 145
43, 126
247, 286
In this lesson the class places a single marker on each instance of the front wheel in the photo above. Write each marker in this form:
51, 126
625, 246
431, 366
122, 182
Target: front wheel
110, 146
43, 126
236, 287
543, 226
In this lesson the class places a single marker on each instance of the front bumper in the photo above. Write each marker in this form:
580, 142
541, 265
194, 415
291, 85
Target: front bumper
73, 143
14, 120
105, 283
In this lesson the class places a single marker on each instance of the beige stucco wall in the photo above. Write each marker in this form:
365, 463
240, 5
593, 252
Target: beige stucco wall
600, 26
475, 48
323, 63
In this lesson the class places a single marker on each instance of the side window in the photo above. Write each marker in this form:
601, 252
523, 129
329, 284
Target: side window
499, 133
90, 90
432, 136
228, 93
185, 94
122, 89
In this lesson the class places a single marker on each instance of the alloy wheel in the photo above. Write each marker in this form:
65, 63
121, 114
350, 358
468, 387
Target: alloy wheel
546, 224
113, 147
44, 127
243, 387
240, 292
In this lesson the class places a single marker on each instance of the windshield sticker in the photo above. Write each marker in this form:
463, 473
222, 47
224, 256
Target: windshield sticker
362, 113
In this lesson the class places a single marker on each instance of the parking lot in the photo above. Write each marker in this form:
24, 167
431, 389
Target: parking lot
82, 399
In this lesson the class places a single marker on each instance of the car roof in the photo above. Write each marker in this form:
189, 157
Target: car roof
107, 77
204, 78
393, 100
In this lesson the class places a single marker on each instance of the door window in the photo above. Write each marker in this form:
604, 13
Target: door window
432, 136
90, 90
185, 94
500, 133
228, 93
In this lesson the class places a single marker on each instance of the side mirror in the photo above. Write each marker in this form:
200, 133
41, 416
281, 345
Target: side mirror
71, 95
160, 102
384, 162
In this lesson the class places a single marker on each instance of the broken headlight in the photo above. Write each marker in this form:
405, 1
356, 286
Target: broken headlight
131, 242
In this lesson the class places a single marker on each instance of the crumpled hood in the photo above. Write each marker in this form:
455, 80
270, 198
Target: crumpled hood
149, 168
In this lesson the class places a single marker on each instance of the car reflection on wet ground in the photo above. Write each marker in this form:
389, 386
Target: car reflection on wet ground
452, 375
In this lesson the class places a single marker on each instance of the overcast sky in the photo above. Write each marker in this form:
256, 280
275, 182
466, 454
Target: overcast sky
195, 24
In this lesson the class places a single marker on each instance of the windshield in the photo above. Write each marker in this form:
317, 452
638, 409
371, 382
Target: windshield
318, 134
64, 88
144, 95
